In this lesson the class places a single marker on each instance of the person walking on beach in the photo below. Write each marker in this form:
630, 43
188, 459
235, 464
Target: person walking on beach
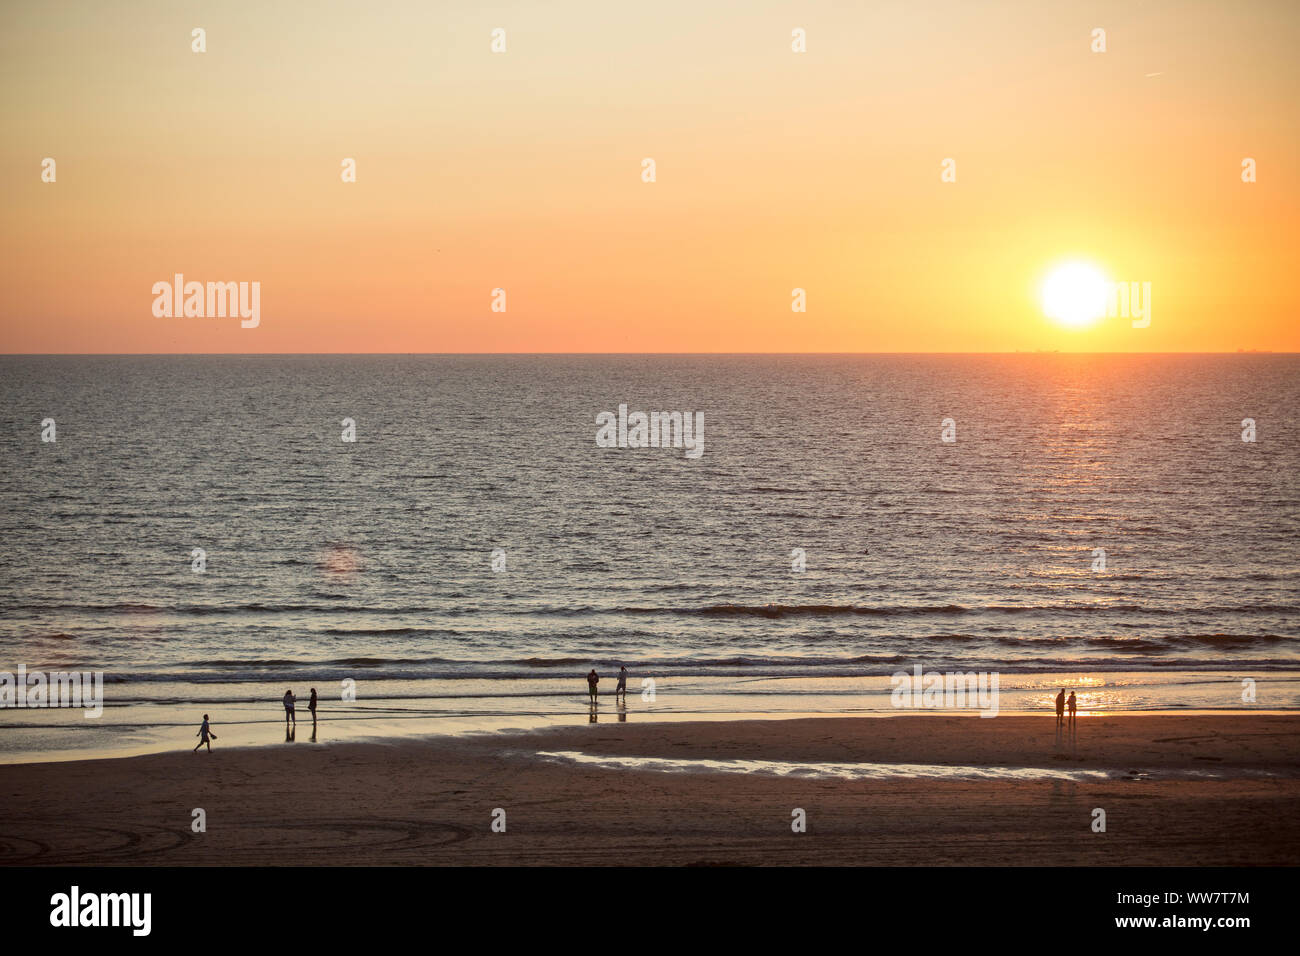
622, 685
1073, 706
1060, 707
592, 681
311, 704
205, 735
290, 715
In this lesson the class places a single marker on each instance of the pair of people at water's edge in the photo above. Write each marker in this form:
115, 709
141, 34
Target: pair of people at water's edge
593, 679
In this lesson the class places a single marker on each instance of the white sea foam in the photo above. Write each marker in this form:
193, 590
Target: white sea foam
841, 771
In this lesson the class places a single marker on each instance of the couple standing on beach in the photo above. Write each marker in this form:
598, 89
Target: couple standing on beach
593, 679
1061, 704
290, 699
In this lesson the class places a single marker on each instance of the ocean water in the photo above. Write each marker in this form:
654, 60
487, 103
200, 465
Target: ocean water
373, 560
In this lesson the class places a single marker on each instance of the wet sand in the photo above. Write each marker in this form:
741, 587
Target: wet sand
1199, 790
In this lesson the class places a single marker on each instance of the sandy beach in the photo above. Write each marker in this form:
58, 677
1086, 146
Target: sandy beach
1199, 790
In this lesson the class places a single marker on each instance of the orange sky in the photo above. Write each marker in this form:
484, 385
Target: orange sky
522, 170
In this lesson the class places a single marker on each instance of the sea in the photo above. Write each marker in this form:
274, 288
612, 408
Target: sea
444, 544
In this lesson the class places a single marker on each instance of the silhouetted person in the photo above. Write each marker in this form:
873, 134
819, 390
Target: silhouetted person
290, 715
622, 685
205, 735
1073, 706
592, 681
311, 705
1060, 707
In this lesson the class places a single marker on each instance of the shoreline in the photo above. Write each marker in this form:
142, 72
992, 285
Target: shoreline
1178, 790
402, 730
158, 718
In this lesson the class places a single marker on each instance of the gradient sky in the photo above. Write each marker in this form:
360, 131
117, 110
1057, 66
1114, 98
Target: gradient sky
523, 171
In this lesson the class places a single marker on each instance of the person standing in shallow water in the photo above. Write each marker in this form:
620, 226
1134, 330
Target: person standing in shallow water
288, 707
1073, 706
205, 736
1060, 707
622, 684
311, 705
592, 681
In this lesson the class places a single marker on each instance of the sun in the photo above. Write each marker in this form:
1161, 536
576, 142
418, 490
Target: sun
1074, 294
